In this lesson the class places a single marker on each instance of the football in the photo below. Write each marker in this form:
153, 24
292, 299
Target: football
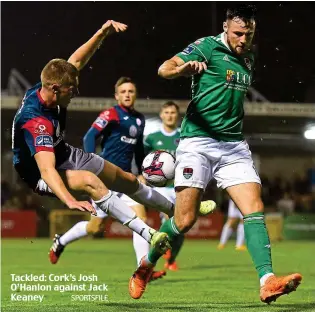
158, 168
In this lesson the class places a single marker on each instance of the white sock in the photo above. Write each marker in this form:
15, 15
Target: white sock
141, 247
76, 232
115, 207
240, 235
149, 197
225, 235
264, 278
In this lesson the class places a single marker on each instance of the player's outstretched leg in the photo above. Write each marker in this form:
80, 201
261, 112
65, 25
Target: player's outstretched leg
188, 199
124, 182
112, 205
79, 230
141, 277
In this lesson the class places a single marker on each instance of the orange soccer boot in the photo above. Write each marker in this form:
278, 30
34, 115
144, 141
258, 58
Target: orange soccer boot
275, 287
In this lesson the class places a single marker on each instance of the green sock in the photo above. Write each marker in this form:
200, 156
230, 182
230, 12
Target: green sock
176, 246
258, 242
172, 231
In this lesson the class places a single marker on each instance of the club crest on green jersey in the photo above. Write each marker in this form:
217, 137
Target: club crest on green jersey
238, 77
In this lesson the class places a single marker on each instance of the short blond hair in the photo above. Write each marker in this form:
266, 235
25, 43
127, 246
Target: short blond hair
123, 80
59, 71
169, 104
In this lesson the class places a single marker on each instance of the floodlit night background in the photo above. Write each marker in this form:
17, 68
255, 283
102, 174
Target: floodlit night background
279, 126
35, 32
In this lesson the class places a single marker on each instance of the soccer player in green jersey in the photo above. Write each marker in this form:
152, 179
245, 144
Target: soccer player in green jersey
167, 138
212, 146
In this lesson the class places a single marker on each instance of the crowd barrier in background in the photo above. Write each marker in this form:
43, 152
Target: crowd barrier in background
18, 224
23, 224
153, 106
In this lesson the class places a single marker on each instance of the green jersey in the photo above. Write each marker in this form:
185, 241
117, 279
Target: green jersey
162, 140
217, 94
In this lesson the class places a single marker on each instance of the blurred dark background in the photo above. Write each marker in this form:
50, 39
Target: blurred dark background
35, 32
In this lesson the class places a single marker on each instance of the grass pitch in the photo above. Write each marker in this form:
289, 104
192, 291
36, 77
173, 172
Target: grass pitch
209, 280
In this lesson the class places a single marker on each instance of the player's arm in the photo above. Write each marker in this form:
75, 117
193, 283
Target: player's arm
82, 55
46, 164
188, 63
98, 127
38, 135
89, 140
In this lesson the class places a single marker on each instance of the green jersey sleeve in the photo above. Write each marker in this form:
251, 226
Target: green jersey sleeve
200, 51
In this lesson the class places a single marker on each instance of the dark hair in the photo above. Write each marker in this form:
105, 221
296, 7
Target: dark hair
59, 71
169, 104
244, 12
123, 80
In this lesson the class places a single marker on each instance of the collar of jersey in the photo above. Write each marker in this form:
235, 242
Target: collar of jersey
126, 109
168, 133
224, 42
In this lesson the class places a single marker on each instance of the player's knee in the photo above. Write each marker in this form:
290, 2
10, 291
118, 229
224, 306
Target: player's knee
95, 227
258, 206
72, 179
77, 180
85, 181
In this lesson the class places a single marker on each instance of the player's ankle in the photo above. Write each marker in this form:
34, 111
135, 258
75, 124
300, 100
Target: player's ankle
264, 278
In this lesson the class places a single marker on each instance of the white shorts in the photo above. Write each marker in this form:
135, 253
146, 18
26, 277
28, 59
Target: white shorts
126, 199
234, 211
200, 159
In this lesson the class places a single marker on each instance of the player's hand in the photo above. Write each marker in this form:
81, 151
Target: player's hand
111, 27
191, 68
81, 205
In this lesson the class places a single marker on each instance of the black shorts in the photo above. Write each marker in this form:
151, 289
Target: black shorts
76, 159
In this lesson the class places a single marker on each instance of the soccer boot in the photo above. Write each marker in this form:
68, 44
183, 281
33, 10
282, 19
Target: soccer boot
139, 280
56, 249
220, 246
207, 207
167, 255
156, 275
275, 287
240, 248
171, 266
159, 241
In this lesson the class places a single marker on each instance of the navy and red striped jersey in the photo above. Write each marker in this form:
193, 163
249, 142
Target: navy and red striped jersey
37, 128
122, 136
